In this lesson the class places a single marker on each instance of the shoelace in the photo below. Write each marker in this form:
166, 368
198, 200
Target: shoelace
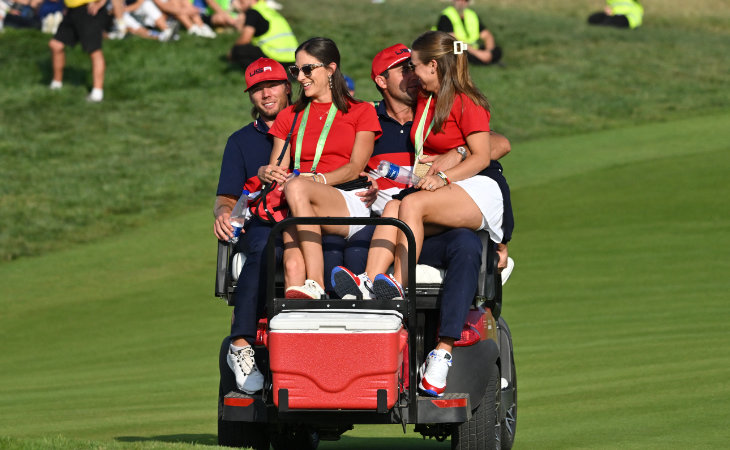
244, 359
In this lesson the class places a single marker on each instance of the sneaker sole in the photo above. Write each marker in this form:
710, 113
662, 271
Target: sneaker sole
385, 289
294, 293
344, 284
429, 392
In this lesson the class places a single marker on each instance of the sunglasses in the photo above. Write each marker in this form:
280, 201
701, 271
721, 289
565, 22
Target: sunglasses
306, 69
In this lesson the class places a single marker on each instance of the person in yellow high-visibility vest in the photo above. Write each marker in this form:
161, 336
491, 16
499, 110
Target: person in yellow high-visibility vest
464, 24
265, 34
620, 14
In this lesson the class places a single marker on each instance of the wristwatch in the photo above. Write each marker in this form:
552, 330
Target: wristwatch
462, 152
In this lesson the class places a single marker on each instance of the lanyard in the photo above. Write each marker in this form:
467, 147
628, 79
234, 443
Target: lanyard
322, 136
420, 138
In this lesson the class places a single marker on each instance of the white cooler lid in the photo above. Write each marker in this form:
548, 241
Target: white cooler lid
337, 321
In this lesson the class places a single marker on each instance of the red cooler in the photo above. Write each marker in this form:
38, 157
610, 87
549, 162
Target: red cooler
335, 359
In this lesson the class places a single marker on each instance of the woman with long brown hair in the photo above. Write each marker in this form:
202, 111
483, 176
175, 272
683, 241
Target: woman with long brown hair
450, 112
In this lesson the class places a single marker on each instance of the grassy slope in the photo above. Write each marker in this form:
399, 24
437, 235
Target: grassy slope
616, 307
80, 172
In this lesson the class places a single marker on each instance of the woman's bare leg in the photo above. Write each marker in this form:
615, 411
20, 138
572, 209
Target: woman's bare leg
449, 206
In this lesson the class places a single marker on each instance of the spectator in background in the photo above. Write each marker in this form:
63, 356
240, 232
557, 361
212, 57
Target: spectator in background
350, 85
21, 13
620, 14
84, 22
187, 14
144, 13
464, 24
266, 33
51, 14
225, 14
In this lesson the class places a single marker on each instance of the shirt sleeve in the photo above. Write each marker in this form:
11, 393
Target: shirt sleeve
368, 119
233, 171
471, 117
256, 20
282, 123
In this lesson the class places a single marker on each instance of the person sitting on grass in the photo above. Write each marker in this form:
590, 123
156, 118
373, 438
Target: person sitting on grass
619, 14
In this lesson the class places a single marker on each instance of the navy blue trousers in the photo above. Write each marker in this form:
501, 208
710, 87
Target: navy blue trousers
459, 251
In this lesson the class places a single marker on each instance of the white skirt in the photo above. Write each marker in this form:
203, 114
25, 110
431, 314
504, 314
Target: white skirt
356, 207
485, 192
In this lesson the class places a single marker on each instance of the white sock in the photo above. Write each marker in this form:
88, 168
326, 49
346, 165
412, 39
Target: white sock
235, 348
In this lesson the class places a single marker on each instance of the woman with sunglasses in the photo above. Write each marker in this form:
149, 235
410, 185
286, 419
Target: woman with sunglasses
331, 143
450, 112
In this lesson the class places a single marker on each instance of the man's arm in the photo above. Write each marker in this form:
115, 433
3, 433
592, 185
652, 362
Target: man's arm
246, 35
222, 212
500, 145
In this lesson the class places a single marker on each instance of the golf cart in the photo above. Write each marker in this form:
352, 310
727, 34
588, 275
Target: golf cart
308, 351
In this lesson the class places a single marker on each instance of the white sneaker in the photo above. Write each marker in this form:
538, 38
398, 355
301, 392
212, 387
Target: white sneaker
433, 373
311, 289
507, 271
95, 96
165, 35
248, 377
206, 31
55, 85
347, 285
195, 30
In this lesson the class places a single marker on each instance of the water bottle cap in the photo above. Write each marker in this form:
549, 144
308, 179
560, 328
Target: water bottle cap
296, 172
245, 192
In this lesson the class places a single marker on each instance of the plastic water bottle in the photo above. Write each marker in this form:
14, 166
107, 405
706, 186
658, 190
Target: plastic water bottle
238, 215
387, 169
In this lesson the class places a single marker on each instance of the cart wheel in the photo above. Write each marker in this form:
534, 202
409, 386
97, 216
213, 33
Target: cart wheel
242, 434
301, 439
482, 432
509, 422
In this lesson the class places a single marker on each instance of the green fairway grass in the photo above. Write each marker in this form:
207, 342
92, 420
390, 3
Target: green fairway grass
616, 305
109, 331
154, 145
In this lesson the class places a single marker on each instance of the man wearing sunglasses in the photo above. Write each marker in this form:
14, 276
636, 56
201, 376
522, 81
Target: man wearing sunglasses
265, 33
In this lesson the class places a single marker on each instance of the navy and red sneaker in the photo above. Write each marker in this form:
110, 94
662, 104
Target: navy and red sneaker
386, 287
348, 285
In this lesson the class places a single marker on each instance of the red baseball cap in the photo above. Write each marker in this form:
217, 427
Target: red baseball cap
388, 58
263, 69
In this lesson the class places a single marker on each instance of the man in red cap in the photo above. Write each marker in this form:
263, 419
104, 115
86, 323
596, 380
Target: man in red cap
246, 150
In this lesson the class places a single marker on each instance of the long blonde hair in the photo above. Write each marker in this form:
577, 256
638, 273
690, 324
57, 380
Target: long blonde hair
452, 71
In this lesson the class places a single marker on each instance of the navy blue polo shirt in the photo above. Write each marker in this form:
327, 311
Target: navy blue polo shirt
246, 150
394, 145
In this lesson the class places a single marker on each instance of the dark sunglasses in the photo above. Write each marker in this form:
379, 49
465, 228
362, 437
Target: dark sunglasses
306, 69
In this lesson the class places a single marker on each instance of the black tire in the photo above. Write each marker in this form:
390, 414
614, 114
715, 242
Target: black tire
482, 432
300, 439
242, 434
509, 421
